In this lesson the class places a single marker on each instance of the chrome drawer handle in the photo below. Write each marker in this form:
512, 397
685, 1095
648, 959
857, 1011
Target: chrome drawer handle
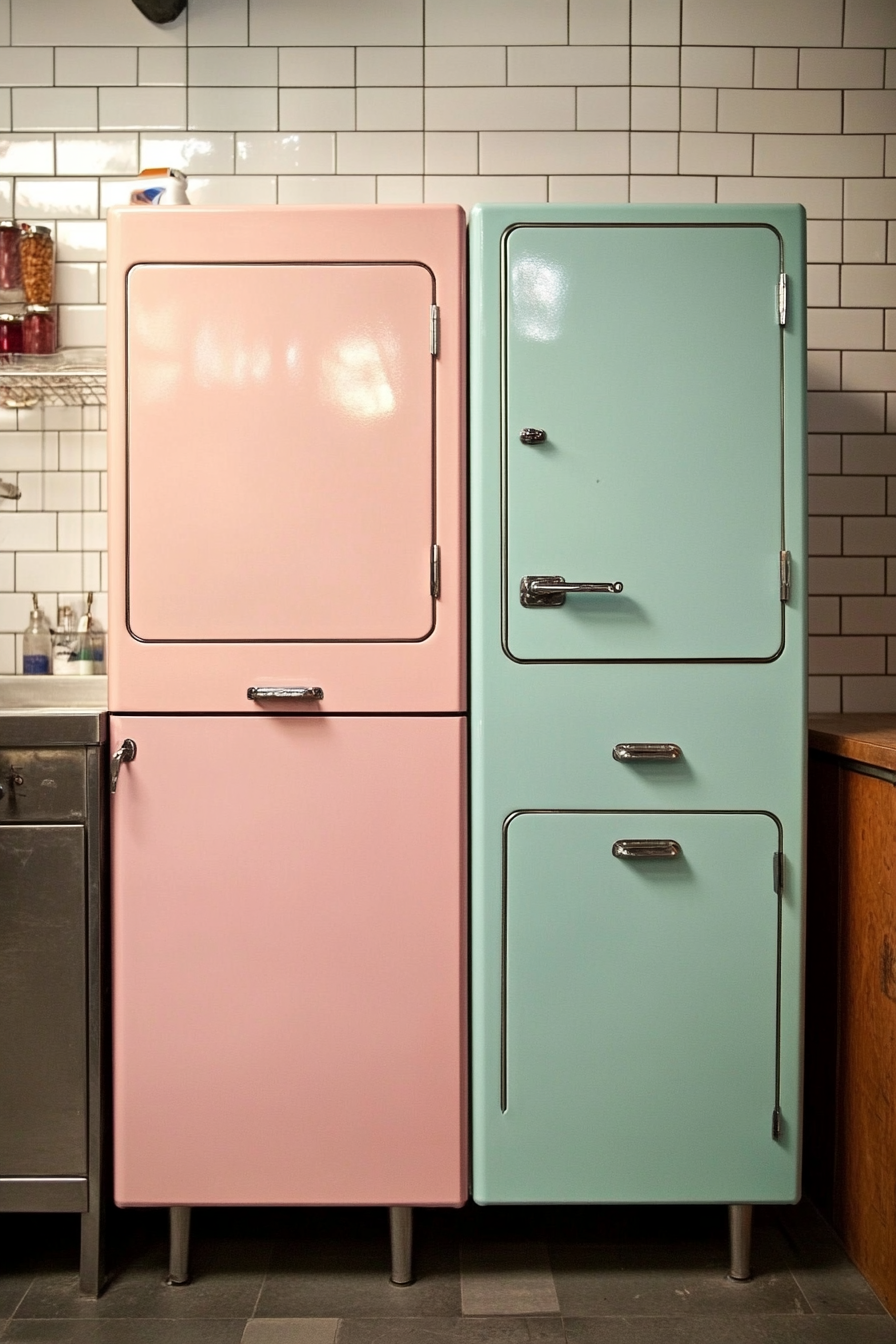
646, 751
533, 435
646, 849
126, 752
285, 693
549, 590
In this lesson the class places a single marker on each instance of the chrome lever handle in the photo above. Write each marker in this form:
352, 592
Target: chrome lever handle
126, 752
285, 693
646, 849
646, 751
549, 590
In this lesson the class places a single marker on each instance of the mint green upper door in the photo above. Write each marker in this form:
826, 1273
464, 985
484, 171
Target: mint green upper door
650, 356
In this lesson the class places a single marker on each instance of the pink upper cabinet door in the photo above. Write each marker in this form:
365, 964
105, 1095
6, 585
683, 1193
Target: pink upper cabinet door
279, 455
286, 457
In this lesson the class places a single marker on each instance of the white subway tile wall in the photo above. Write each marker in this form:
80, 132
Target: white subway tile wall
466, 100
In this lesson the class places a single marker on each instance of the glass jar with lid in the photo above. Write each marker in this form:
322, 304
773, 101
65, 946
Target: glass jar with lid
11, 335
39, 330
10, 258
36, 250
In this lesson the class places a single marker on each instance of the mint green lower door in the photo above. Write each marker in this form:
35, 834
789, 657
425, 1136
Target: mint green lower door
639, 1028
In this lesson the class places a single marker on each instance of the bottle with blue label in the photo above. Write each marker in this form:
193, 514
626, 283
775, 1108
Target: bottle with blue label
92, 653
37, 649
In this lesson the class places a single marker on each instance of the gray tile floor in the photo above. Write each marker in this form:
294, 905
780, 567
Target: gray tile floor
485, 1276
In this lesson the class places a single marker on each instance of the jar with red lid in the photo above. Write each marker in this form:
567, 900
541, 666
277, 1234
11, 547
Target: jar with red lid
10, 256
10, 335
39, 330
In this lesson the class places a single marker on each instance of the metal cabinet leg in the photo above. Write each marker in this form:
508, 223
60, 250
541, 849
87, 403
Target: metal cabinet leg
179, 1246
93, 1259
401, 1231
740, 1227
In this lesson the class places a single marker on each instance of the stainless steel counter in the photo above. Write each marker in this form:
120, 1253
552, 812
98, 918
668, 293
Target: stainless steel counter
53, 711
53, 692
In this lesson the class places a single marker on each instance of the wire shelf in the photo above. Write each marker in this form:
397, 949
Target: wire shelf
68, 378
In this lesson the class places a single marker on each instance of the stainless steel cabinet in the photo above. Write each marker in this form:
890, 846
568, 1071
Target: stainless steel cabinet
51, 986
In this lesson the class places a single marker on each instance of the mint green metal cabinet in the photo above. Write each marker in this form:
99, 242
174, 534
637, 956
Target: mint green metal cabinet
637, 419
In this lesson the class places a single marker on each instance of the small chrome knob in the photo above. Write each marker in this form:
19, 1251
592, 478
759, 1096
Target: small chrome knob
533, 435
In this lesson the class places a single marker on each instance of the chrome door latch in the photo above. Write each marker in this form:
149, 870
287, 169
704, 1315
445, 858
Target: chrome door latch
646, 751
126, 752
533, 435
646, 849
785, 576
284, 693
549, 590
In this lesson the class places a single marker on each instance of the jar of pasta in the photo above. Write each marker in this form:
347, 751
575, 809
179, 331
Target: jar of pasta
36, 251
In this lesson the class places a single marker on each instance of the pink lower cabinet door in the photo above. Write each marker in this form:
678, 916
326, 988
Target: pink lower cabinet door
289, 960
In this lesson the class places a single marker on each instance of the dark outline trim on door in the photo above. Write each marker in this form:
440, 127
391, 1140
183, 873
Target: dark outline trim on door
141, 639
615, 224
641, 812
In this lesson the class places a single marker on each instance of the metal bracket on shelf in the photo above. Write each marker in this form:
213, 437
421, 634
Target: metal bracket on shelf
68, 378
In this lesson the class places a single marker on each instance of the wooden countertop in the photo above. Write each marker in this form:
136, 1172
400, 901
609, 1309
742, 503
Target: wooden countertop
859, 737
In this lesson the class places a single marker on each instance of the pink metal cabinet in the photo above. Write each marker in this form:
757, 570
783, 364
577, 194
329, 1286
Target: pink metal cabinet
289, 951
287, 455
286, 511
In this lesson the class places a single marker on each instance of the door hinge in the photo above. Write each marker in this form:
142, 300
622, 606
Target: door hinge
777, 1123
434, 329
778, 872
435, 572
782, 299
785, 576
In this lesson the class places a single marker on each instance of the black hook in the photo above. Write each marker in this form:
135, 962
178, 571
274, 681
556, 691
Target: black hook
161, 11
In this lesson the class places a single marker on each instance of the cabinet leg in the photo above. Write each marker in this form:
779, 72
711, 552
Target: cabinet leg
179, 1245
740, 1227
93, 1258
401, 1231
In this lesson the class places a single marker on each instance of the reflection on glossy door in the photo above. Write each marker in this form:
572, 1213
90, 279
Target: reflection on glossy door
651, 359
280, 452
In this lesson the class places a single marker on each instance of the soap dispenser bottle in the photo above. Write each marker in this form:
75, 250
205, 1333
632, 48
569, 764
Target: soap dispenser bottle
92, 653
37, 647
65, 644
